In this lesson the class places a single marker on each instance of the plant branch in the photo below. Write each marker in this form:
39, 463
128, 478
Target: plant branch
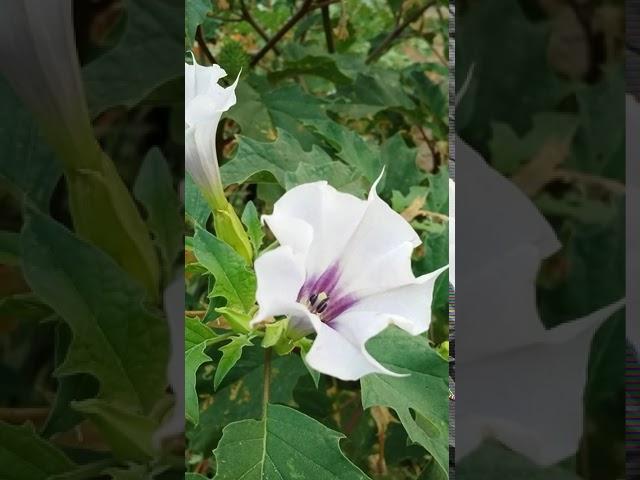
306, 7
395, 33
203, 45
266, 387
328, 32
246, 15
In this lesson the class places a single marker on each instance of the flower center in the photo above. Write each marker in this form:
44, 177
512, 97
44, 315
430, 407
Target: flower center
318, 303
323, 296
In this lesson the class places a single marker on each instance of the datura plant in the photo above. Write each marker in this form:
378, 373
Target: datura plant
38, 57
333, 292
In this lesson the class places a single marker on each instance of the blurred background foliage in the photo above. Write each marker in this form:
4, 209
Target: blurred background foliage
336, 91
545, 107
136, 101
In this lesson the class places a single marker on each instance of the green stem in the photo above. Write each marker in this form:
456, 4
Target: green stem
267, 382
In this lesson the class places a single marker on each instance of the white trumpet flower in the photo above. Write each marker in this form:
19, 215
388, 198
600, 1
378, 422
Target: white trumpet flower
343, 271
38, 57
515, 381
205, 102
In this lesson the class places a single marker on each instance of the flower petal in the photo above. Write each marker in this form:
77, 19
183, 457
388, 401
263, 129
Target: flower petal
291, 232
198, 79
280, 275
407, 306
204, 98
333, 216
201, 159
536, 408
381, 230
334, 354
389, 270
496, 207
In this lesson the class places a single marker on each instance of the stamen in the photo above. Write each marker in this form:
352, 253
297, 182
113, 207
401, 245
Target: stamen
312, 299
318, 302
322, 306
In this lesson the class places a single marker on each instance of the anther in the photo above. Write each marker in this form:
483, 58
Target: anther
322, 306
312, 299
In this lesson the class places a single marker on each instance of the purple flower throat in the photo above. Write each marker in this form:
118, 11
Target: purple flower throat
323, 296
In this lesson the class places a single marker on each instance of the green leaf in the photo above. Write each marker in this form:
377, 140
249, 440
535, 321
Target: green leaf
401, 170
196, 336
251, 220
25, 306
240, 395
194, 15
195, 206
286, 163
492, 460
62, 417
194, 476
323, 66
370, 94
421, 399
128, 433
600, 146
231, 353
26, 456
350, 147
115, 338
284, 444
154, 189
532, 84
9, 248
606, 365
261, 109
143, 59
431, 98
510, 151
438, 198
238, 320
305, 345
336, 174
28, 165
234, 281
436, 250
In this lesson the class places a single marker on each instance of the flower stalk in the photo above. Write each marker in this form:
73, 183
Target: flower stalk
266, 386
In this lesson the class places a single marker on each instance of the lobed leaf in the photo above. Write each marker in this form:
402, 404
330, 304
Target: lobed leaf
196, 336
26, 456
420, 399
234, 281
284, 444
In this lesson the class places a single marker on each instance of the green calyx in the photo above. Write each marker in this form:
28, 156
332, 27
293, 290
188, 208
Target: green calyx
229, 229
